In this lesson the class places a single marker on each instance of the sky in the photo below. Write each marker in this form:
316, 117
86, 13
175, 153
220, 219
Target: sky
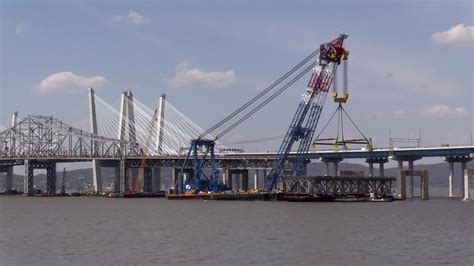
410, 63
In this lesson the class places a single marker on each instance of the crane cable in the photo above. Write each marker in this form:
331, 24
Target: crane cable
261, 105
261, 94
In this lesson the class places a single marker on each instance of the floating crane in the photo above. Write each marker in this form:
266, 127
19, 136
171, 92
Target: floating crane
309, 110
301, 129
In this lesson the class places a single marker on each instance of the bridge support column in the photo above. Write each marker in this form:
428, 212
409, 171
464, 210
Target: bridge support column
450, 180
412, 179
245, 180
51, 178
188, 173
28, 180
147, 180
174, 179
468, 175
335, 161
424, 193
265, 178
225, 177
156, 186
451, 161
117, 178
410, 160
237, 180
96, 176
255, 179
8, 170
381, 161
326, 173
371, 169
402, 184
463, 179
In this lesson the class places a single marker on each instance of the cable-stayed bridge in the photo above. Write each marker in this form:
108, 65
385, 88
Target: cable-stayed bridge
135, 136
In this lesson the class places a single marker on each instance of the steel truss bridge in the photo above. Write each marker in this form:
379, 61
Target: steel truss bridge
143, 138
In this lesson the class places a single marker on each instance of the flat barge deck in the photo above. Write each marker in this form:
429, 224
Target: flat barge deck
264, 196
238, 196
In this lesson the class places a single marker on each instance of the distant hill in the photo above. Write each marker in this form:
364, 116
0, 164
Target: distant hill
82, 178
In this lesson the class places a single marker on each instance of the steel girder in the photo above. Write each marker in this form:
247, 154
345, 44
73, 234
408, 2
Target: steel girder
40, 137
336, 186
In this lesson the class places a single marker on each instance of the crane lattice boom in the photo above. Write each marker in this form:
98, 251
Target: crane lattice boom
309, 110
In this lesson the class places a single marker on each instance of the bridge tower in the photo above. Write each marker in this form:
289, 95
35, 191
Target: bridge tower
96, 171
156, 178
160, 124
126, 118
9, 169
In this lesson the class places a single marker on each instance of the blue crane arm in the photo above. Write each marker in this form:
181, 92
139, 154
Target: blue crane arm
306, 118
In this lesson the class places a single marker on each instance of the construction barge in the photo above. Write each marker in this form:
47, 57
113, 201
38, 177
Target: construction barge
279, 196
306, 189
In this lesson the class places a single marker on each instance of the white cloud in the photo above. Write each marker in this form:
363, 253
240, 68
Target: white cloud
444, 111
459, 35
69, 83
187, 76
19, 29
133, 18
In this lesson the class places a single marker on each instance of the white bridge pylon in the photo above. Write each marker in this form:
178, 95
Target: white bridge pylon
161, 130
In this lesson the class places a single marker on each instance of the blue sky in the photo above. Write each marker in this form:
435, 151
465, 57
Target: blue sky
411, 62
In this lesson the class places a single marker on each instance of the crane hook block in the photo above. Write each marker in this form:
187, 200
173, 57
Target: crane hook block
342, 99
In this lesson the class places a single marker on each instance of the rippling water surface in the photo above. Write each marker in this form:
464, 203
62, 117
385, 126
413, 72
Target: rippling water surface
100, 231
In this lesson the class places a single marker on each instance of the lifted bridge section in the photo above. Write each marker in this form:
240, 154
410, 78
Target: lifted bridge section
338, 185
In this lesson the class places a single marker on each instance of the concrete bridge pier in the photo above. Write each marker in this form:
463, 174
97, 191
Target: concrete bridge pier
178, 183
260, 178
255, 179
380, 161
410, 160
8, 170
265, 177
468, 184
463, 161
335, 161
156, 180
117, 178
424, 184
237, 179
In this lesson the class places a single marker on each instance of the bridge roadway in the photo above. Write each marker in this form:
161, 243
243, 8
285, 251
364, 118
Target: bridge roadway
378, 153
235, 164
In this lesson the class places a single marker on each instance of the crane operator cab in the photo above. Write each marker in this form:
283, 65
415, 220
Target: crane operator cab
332, 52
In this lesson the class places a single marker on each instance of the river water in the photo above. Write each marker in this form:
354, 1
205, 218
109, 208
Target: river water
100, 231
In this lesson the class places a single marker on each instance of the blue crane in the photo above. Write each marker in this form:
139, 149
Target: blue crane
302, 127
309, 110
